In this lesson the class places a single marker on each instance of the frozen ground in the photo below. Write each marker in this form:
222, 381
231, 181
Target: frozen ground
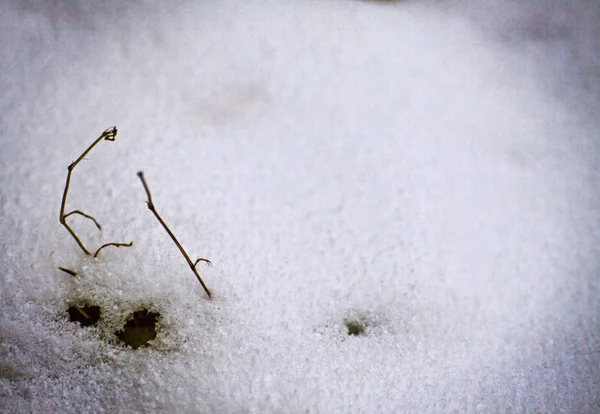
427, 168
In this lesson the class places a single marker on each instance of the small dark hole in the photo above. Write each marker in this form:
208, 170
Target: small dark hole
139, 329
86, 315
355, 327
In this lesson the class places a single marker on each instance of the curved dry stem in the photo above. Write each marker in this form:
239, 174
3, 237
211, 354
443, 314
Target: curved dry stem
112, 244
108, 135
81, 213
201, 259
192, 266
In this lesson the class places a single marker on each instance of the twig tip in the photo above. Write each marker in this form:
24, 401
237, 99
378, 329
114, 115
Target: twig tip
69, 271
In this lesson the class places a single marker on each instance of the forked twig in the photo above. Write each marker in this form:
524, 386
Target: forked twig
185, 255
108, 135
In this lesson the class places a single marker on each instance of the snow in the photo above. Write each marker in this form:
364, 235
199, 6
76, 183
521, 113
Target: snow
405, 165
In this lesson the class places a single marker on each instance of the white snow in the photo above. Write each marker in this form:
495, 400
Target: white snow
400, 164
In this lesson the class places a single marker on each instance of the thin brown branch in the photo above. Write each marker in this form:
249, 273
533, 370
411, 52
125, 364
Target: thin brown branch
201, 259
69, 271
112, 244
82, 312
86, 216
181, 249
108, 135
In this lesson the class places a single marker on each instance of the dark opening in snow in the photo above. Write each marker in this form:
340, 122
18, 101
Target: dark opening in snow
86, 315
355, 327
139, 329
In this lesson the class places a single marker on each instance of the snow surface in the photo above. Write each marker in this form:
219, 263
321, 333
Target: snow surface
424, 167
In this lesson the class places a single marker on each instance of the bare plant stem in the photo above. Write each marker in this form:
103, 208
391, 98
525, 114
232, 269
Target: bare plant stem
112, 244
183, 252
201, 259
82, 312
109, 135
69, 271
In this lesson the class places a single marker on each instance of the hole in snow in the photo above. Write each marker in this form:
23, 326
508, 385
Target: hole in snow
356, 327
86, 315
139, 329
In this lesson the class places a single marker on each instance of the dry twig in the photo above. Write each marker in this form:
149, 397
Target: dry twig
69, 271
183, 252
108, 135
